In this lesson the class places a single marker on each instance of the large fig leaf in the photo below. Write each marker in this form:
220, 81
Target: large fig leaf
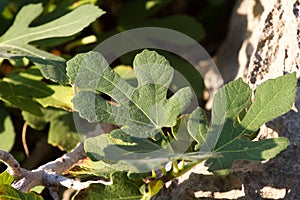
142, 111
228, 133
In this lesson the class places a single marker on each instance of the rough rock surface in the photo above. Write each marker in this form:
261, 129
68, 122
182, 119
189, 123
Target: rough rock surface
263, 43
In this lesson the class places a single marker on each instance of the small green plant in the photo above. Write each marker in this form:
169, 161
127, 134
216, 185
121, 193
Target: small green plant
143, 111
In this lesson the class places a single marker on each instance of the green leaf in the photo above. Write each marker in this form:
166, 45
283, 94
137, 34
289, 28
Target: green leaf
8, 192
228, 103
137, 155
7, 132
227, 135
244, 149
126, 153
186, 75
87, 168
197, 126
20, 96
61, 97
142, 111
122, 188
20, 89
7, 137
62, 130
15, 42
5, 178
37, 189
25, 90
272, 99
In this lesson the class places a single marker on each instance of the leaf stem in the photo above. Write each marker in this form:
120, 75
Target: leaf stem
24, 139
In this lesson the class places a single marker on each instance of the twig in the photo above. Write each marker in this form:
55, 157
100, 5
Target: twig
24, 139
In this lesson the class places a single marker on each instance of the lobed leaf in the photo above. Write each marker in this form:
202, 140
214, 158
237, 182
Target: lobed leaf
272, 98
244, 149
15, 42
229, 101
227, 135
143, 110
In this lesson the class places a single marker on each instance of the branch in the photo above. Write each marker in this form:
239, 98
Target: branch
47, 175
63, 163
13, 166
51, 180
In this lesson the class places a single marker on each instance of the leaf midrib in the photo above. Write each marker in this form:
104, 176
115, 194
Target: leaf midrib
32, 32
252, 121
227, 111
32, 54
